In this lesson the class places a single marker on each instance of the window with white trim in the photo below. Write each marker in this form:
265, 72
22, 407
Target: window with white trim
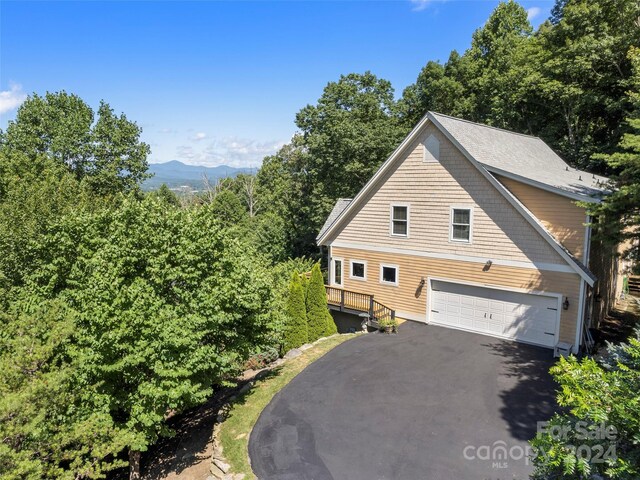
389, 274
400, 220
358, 270
461, 220
337, 271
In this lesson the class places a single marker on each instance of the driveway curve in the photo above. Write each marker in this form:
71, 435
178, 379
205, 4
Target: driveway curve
427, 403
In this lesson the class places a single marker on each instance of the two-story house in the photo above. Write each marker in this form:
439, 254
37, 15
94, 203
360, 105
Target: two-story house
475, 228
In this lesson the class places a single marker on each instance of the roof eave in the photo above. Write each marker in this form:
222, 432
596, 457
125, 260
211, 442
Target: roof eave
542, 186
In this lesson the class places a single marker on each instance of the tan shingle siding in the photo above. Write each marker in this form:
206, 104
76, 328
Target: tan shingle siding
499, 231
560, 215
409, 299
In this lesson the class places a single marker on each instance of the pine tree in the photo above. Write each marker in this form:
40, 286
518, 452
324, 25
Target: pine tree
321, 323
295, 329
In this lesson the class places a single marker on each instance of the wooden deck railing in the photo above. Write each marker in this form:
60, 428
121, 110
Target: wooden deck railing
347, 300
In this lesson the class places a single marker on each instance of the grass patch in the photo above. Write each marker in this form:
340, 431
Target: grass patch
243, 413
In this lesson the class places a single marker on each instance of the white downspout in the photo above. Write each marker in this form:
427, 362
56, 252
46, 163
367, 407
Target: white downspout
580, 322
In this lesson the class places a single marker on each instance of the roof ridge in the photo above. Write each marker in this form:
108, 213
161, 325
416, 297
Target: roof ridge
487, 126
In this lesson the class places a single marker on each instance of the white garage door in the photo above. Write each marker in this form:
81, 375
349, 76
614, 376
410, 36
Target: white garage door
518, 316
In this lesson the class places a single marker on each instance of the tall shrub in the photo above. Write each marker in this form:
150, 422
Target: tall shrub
321, 323
295, 328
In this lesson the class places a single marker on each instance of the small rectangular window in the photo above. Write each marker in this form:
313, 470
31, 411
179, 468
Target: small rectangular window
337, 271
389, 274
461, 224
400, 220
358, 270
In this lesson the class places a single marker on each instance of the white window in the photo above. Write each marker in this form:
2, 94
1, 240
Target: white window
337, 271
358, 270
431, 149
400, 220
389, 274
461, 224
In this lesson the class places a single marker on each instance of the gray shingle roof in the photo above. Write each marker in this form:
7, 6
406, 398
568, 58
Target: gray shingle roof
504, 152
338, 208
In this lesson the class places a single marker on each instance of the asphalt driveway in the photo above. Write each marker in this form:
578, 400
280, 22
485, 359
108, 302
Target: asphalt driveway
428, 403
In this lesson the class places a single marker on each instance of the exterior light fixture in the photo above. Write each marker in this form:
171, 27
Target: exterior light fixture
565, 304
487, 266
422, 282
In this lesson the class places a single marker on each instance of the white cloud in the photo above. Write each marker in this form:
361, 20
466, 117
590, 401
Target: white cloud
199, 136
12, 98
533, 12
419, 5
233, 151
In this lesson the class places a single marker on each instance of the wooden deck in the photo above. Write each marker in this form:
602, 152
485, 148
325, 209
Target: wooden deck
358, 303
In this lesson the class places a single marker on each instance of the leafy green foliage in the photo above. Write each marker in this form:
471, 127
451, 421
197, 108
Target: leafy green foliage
321, 323
344, 138
619, 213
161, 305
108, 154
600, 394
295, 329
565, 83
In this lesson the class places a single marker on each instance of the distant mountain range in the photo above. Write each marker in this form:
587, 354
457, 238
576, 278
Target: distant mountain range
177, 174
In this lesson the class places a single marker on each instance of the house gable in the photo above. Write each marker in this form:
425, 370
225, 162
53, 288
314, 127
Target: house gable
432, 189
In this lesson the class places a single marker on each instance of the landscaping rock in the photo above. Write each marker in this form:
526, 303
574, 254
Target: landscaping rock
221, 465
306, 346
293, 353
216, 472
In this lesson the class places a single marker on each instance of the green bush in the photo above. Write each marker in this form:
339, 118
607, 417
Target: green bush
295, 328
598, 433
321, 322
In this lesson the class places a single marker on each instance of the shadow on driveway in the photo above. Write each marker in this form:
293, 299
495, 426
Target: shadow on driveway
427, 403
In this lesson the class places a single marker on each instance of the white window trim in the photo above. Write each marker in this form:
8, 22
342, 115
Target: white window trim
389, 265
408, 207
351, 276
333, 271
461, 207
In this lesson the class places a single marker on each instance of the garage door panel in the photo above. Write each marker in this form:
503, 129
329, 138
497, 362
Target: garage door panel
520, 316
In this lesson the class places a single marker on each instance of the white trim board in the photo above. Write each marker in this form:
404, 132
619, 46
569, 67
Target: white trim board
550, 267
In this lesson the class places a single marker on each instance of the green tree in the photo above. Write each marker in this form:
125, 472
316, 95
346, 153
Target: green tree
108, 154
167, 305
295, 328
595, 394
165, 194
619, 213
48, 430
437, 89
321, 322
228, 209
584, 74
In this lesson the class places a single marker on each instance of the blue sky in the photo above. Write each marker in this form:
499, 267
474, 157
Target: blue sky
220, 82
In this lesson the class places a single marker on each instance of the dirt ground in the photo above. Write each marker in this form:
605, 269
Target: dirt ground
187, 455
621, 321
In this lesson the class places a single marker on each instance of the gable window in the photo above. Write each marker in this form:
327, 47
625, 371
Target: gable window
461, 219
431, 149
400, 220
358, 270
389, 274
